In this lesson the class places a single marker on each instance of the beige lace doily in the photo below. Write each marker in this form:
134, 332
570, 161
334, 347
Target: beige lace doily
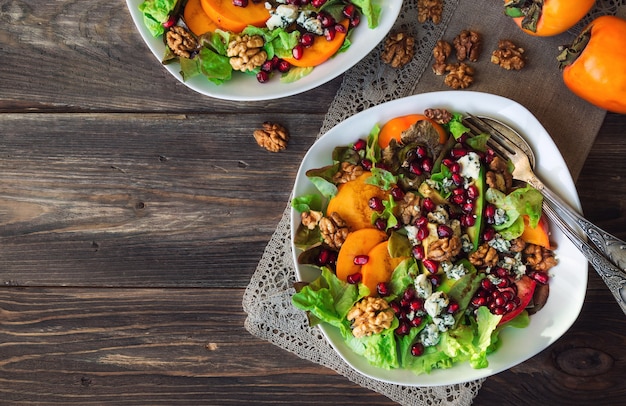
267, 299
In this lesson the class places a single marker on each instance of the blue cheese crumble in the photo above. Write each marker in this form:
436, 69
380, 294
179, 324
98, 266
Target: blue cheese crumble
514, 264
453, 271
429, 336
435, 303
423, 287
308, 20
500, 217
466, 243
444, 322
500, 244
470, 165
439, 215
282, 17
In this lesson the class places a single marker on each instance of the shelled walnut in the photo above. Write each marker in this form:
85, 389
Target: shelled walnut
484, 256
370, 315
429, 10
460, 75
398, 49
468, 45
440, 116
444, 249
180, 41
310, 219
334, 230
273, 137
508, 55
539, 258
498, 176
347, 172
441, 52
246, 52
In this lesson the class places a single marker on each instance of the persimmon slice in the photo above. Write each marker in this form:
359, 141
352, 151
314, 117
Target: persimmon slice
196, 19
229, 17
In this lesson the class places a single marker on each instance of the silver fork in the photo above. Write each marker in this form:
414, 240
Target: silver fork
608, 256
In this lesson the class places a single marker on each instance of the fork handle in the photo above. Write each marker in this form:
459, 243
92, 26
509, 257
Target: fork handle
614, 278
611, 246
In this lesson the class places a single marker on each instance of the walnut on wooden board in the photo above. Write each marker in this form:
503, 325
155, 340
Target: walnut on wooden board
347, 172
370, 315
508, 56
468, 45
429, 10
334, 230
460, 75
399, 49
273, 137
484, 256
441, 52
246, 52
180, 41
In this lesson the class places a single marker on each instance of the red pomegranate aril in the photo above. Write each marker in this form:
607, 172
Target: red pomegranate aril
361, 259
383, 289
349, 10
486, 284
415, 168
504, 283
170, 22
262, 77
444, 231
462, 139
381, 224
489, 234
457, 179
416, 321
447, 162
240, 3
408, 295
376, 203
468, 207
501, 272
539, 277
395, 306
267, 66
307, 39
359, 145
428, 204
354, 278
422, 233
403, 329
283, 66
455, 168
472, 192
397, 193
490, 211
458, 152
421, 152
329, 33
510, 306
499, 300
318, 3
427, 164
417, 349
366, 164
340, 28
458, 192
431, 265
355, 21
421, 222
416, 304
418, 252
326, 19
478, 301
382, 166
457, 199
453, 307
508, 295
498, 310
468, 220
489, 156
297, 51
323, 258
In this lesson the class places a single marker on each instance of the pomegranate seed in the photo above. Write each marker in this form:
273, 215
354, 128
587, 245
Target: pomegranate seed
403, 329
508, 295
307, 39
329, 33
431, 265
417, 349
421, 152
262, 77
504, 283
382, 166
416, 321
409, 294
318, 3
422, 233
444, 231
457, 179
468, 207
361, 259
458, 199
376, 203
539, 277
499, 300
418, 252
283, 66
455, 168
355, 21
447, 162
380, 224
467, 220
486, 284
383, 289
240, 3
354, 278
395, 306
510, 306
323, 258
340, 28
479, 301
349, 10
490, 211
397, 193
267, 66
462, 139
416, 304
404, 303
489, 234
415, 168
421, 222
453, 307
366, 164
498, 310
435, 280
427, 164
458, 152
472, 192
297, 51
489, 156
501, 272
326, 19
359, 145
428, 204
171, 21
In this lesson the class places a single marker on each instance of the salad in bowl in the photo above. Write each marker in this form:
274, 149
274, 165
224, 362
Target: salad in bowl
418, 252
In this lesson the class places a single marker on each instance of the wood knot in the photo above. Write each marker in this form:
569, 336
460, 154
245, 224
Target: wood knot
584, 362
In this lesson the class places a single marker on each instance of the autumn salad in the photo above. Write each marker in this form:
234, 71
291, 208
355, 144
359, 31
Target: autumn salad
427, 246
264, 38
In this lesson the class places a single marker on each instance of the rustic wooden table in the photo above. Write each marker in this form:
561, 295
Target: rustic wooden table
133, 213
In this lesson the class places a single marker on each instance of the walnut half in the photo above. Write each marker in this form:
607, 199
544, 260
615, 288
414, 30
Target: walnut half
508, 56
246, 52
460, 75
273, 137
398, 50
429, 10
180, 41
369, 316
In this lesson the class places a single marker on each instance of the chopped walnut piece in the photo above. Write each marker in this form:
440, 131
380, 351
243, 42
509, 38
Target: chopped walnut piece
444, 249
539, 258
517, 245
273, 137
370, 315
440, 116
334, 230
310, 219
429, 10
484, 256
460, 75
181, 41
398, 49
409, 208
498, 176
508, 56
246, 52
347, 172
467, 45
441, 52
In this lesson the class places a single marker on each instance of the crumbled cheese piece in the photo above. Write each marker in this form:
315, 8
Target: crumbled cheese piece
455, 225
455, 271
310, 22
444, 186
470, 165
423, 286
466, 243
282, 17
435, 303
444, 322
439, 215
500, 244
514, 264
429, 336
500, 217
411, 234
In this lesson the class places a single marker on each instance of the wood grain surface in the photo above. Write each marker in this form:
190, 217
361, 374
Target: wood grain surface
133, 213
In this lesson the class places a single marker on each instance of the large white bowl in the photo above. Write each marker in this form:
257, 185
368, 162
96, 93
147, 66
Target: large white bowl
247, 88
568, 283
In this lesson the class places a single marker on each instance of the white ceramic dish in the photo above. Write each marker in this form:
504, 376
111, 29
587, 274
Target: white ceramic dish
568, 283
246, 88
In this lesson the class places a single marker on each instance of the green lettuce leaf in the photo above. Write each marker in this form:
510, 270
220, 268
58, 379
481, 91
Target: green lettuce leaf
155, 13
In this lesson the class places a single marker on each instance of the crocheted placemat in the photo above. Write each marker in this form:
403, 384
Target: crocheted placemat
539, 87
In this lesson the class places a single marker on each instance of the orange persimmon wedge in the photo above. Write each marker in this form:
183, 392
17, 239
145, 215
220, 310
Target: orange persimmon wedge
229, 17
394, 128
351, 202
539, 235
358, 242
196, 19
321, 50
379, 267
